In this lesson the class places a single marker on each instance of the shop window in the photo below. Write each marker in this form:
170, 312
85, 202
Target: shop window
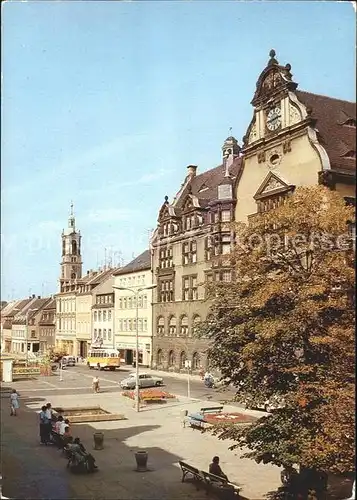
196, 361
171, 359
183, 359
159, 357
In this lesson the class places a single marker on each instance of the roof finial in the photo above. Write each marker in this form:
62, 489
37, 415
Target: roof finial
272, 59
71, 214
230, 131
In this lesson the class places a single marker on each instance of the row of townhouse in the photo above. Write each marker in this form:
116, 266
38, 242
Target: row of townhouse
293, 139
28, 325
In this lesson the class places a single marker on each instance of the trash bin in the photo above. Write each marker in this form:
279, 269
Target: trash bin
98, 440
141, 458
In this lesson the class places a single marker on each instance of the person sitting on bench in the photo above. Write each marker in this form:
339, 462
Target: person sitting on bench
215, 469
81, 455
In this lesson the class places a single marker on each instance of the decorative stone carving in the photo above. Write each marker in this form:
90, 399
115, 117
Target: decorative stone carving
286, 147
261, 157
253, 136
272, 184
294, 115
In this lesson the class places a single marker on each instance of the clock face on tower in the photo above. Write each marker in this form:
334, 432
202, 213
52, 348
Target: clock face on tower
273, 119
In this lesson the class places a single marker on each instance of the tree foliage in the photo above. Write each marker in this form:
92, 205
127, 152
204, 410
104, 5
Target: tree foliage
284, 328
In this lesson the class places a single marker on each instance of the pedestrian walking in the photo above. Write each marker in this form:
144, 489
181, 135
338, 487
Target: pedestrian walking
14, 403
95, 384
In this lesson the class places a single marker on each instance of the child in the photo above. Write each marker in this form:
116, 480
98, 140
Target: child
14, 403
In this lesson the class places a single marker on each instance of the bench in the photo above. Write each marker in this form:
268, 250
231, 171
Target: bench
189, 469
220, 486
213, 484
212, 409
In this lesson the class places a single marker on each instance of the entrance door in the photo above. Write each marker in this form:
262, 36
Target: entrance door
129, 356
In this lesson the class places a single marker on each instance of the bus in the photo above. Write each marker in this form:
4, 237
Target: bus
107, 358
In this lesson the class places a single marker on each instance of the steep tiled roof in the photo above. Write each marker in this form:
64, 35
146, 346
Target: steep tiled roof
211, 179
50, 305
33, 307
337, 137
100, 277
140, 263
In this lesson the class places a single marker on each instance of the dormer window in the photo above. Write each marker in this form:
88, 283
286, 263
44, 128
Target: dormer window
350, 155
350, 123
226, 215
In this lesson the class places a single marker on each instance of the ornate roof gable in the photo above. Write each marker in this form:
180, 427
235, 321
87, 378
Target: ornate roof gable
272, 80
166, 210
271, 185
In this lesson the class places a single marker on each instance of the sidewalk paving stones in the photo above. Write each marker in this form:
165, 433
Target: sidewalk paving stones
157, 429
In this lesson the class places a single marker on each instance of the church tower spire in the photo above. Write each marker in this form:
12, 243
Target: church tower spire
71, 263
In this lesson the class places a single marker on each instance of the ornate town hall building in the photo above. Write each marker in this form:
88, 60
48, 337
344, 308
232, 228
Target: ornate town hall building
295, 138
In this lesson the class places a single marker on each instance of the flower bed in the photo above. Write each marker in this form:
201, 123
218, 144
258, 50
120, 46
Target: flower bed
228, 418
150, 395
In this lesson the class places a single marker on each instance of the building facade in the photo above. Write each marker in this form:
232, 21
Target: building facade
71, 273
47, 326
7, 314
295, 138
26, 326
190, 247
102, 313
131, 307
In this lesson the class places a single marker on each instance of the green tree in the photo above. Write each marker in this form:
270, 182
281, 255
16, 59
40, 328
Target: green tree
284, 328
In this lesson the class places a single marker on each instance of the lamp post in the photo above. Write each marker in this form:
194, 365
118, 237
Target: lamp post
136, 293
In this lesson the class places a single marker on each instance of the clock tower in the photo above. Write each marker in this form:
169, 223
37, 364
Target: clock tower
71, 264
294, 139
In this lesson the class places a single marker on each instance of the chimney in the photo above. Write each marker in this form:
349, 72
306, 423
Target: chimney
191, 169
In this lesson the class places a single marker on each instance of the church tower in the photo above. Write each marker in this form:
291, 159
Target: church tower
71, 265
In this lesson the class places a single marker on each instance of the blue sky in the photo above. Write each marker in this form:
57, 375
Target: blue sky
106, 103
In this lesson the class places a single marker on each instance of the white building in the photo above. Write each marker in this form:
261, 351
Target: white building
103, 314
135, 300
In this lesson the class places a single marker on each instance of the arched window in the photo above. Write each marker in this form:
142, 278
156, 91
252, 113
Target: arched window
172, 326
160, 326
159, 357
171, 358
196, 361
129, 302
63, 246
74, 248
183, 358
195, 323
184, 326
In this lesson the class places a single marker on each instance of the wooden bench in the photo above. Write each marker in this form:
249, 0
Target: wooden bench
195, 473
212, 483
212, 409
220, 486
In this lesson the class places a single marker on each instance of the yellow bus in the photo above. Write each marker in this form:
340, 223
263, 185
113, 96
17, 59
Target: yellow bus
107, 359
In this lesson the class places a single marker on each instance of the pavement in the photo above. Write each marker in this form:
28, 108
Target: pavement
33, 471
37, 472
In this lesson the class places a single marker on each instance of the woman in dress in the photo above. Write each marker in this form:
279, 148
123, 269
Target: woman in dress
14, 403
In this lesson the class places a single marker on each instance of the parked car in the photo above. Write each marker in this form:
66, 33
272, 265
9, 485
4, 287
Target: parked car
68, 361
145, 380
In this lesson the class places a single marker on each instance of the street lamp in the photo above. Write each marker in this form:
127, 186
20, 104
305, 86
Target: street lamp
136, 293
